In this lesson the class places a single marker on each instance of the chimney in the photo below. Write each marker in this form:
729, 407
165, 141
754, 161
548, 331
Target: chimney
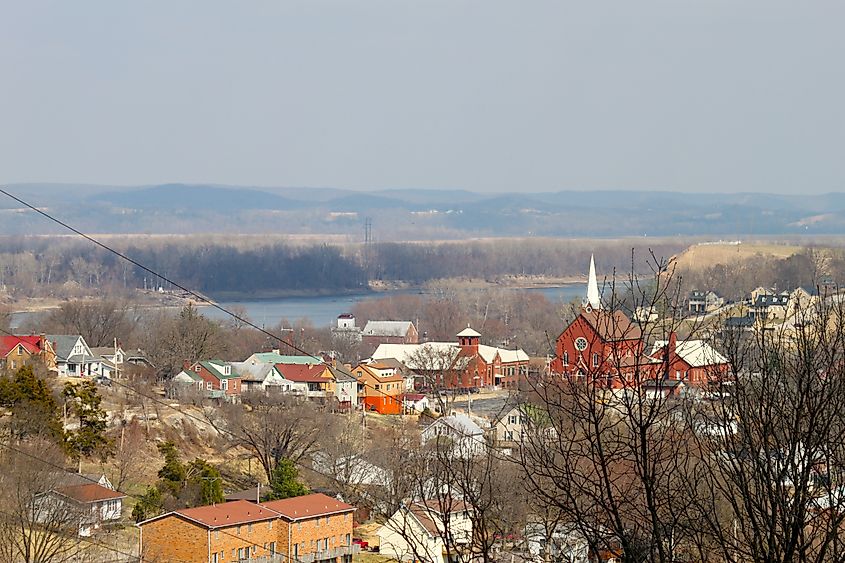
186, 365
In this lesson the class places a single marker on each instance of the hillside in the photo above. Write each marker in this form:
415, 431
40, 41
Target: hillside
404, 214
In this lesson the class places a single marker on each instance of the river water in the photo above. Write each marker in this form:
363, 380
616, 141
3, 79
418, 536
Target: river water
323, 310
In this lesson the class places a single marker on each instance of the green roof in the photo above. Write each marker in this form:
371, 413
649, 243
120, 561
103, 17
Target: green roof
192, 374
212, 367
274, 358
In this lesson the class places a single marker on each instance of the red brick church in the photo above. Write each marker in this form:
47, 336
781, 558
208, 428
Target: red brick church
607, 348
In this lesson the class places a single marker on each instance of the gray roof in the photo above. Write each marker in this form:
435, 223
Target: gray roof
63, 344
253, 372
387, 328
342, 375
83, 359
460, 423
103, 351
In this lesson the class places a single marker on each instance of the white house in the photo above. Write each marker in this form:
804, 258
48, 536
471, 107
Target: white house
259, 376
465, 437
415, 402
350, 470
562, 543
419, 532
73, 356
345, 388
91, 503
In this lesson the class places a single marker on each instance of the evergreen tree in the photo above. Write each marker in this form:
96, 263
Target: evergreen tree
172, 475
284, 482
207, 479
90, 438
35, 411
149, 504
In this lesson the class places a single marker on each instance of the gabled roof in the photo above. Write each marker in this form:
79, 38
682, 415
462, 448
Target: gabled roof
222, 515
212, 366
91, 492
63, 344
303, 373
191, 374
369, 370
253, 372
611, 326
387, 328
103, 351
697, 353
307, 506
460, 423
342, 374
9, 343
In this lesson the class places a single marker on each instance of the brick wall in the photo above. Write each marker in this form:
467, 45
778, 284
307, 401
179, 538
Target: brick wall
307, 533
174, 539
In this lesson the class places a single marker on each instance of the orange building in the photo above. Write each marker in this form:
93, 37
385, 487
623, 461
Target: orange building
380, 387
309, 529
315, 528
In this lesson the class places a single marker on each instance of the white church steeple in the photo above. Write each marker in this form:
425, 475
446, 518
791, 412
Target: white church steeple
593, 297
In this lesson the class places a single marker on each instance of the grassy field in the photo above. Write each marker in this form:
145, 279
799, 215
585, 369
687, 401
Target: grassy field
701, 256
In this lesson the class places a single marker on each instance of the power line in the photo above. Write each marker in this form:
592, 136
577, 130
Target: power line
319, 360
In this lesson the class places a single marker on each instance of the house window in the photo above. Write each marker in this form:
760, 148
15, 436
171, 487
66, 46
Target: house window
508, 435
595, 360
512, 419
269, 524
224, 385
273, 548
249, 528
208, 385
348, 538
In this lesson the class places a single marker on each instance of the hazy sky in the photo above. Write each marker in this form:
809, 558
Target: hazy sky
487, 95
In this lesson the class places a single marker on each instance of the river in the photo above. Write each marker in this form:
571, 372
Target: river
323, 310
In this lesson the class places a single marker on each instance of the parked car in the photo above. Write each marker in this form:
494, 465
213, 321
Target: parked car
103, 380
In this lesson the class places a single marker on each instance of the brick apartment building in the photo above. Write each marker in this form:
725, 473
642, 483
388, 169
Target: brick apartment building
310, 529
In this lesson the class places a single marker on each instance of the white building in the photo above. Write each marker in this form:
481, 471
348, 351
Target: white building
465, 437
420, 532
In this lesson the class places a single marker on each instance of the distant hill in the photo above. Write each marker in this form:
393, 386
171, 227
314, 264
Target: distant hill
404, 214
194, 197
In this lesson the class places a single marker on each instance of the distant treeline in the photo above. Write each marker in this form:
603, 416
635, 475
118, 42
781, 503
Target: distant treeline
66, 267
63, 268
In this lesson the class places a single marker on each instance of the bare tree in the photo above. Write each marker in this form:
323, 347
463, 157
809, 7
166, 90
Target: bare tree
272, 427
129, 454
612, 458
438, 369
772, 478
99, 322
36, 525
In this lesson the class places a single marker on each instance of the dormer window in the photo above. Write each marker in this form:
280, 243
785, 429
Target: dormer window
227, 370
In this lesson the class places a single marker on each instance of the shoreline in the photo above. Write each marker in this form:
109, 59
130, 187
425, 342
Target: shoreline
153, 300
